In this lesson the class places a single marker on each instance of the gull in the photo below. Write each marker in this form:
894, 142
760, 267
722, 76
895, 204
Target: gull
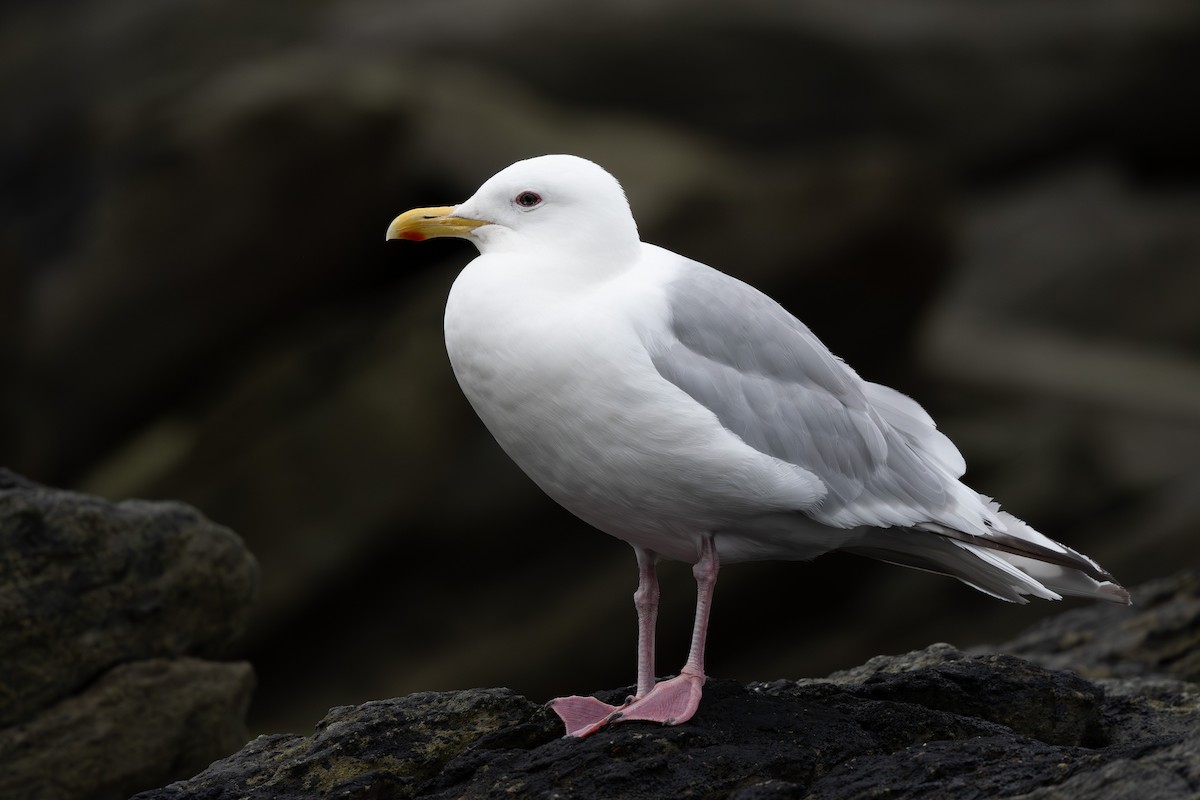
687, 413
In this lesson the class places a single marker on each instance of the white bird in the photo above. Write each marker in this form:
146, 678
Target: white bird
685, 412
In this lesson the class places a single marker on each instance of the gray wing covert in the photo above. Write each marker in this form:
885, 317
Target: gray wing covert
769, 380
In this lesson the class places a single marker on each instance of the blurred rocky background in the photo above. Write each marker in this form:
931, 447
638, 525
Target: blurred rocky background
113, 618
993, 207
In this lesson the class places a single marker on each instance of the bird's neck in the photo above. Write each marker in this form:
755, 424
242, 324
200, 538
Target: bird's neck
605, 244
576, 262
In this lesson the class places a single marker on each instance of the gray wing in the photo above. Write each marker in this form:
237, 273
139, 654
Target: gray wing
769, 380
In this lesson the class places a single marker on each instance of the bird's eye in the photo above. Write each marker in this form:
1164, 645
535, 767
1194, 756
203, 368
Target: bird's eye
528, 199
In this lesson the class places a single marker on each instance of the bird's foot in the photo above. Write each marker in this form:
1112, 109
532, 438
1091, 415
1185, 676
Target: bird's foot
583, 716
671, 702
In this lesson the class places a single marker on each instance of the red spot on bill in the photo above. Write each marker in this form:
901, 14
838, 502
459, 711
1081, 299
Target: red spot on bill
413, 236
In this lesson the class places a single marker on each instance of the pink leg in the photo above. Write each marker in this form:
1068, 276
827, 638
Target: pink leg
645, 600
674, 701
586, 715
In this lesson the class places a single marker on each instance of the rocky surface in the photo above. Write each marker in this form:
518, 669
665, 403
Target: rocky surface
109, 616
990, 205
932, 723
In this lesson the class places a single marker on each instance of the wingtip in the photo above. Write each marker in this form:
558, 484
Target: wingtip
1115, 593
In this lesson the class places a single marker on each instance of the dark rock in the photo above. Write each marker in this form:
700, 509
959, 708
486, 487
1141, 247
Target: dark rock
398, 745
933, 723
1057, 708
136, 725
103, 610
86, 585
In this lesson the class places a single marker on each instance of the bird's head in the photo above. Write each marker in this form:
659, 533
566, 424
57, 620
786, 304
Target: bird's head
555, 203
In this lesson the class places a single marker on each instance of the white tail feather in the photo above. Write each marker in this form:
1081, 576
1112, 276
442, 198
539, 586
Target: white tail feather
1009, 564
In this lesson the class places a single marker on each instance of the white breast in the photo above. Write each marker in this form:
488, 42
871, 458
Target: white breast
562, 377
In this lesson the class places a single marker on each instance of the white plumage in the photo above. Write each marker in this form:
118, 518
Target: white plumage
687, 413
